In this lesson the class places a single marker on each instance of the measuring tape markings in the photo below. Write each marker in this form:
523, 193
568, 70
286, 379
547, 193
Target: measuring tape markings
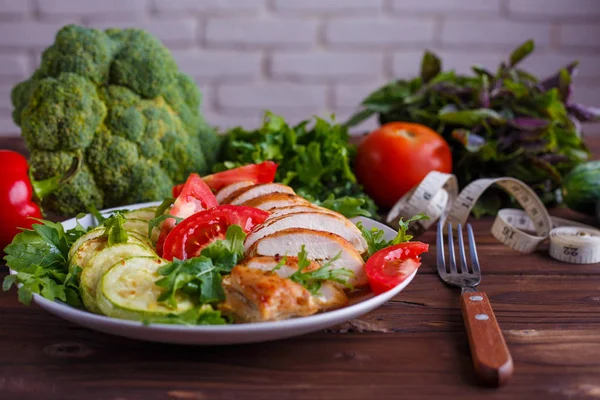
437, 196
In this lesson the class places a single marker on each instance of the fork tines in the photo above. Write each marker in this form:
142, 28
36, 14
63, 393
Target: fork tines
451, 268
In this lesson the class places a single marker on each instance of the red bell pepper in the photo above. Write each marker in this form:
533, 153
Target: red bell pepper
18, 191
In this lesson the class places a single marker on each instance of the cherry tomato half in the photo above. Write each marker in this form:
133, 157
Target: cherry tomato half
194, 233
396, 157
195, 196
391, 266
256, 173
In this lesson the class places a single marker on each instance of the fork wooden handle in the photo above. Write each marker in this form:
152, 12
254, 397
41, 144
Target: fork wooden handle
491, 357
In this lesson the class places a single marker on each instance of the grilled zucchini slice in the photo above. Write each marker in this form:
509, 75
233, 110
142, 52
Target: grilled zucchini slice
142, 213
100, 263
141, 226
127, 290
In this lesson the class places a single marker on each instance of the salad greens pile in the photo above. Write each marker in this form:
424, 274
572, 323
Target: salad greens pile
40, 259
314, 159
502, 123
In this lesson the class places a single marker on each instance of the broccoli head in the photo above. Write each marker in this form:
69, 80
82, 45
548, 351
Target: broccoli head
115, 99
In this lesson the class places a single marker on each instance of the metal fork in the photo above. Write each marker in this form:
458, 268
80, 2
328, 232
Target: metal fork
491, 358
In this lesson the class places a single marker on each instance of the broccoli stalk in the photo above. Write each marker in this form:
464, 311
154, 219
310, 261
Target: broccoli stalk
45, 187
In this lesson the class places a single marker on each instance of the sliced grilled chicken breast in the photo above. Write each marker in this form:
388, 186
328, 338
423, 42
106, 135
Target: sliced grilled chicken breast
317, 221
251, 192
230, 189
276, 200
320, 246
278, 212
253, 295
330, 295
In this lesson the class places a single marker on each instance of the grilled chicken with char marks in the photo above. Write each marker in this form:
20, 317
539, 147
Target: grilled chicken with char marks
254, 295
330, 295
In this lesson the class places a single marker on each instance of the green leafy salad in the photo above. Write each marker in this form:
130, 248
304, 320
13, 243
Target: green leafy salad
314, 159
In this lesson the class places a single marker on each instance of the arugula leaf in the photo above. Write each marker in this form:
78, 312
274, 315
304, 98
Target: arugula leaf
313, 280
200, 277
376, 237
156, 221
164, 206
114, 229
226, 253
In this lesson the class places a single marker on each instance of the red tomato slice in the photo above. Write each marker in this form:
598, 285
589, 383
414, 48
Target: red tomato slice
194, 233
391, 266
257, 173
177, 190
194, 196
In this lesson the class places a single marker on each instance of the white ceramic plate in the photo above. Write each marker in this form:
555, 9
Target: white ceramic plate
221, 334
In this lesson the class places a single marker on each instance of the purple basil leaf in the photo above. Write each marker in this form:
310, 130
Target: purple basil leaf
484, 92
472, 141
430, 66
521, 52
554, 158
576, 124
529, 123
584, 113
553, 81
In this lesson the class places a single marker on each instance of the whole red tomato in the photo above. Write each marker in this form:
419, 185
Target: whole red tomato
396, 157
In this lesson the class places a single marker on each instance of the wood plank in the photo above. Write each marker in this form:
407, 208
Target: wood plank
551, 324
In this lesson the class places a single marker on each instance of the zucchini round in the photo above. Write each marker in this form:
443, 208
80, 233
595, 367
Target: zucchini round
142, 213
100, 263
141, 226
581, 188
127, 290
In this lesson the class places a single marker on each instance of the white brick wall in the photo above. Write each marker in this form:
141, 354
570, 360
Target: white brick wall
305, 57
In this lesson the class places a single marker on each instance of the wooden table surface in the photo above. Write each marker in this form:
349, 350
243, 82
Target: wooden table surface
412, 347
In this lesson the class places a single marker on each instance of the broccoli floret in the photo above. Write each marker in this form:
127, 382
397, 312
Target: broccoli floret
62, 113
117, 99
82, 51
151, 182
142, 63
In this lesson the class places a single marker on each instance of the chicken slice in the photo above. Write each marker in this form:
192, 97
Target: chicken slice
317, 221
251, 192
320, 246
330, 295
278, 212
253, 295
230, 189
276, 200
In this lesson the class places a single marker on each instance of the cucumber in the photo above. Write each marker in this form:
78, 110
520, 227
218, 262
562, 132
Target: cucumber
142, 213
581, 188
141, 226
127, 290
100, 263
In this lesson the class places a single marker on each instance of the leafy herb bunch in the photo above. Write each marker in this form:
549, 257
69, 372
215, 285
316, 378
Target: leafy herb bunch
313, 158
506, 123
